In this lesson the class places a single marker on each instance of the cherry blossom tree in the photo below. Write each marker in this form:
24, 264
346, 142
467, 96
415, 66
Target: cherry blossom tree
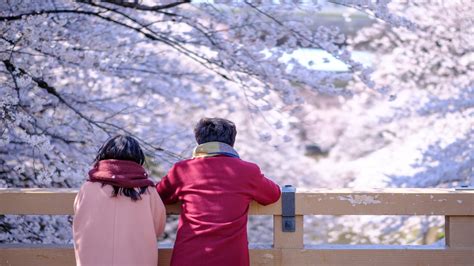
76, 72
430, 74
422, 134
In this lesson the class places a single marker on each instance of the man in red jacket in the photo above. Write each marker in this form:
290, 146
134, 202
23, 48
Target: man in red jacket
215, 188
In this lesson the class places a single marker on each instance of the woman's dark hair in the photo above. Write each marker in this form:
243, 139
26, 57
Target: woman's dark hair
124, 148
121, 147
215, 129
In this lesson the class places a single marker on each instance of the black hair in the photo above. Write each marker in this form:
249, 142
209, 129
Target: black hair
122, 147
215, 129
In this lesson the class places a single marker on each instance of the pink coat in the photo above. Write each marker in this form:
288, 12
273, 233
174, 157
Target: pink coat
115, 230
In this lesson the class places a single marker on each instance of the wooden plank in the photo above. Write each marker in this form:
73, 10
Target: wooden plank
60, 202
64, 255
259, 254
37, 201
288, 239
400, 201
254, 209
51, 255
267, 257
459, 231
257, 209
164, 256
386, 257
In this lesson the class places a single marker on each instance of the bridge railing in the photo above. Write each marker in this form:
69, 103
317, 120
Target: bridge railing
288, 248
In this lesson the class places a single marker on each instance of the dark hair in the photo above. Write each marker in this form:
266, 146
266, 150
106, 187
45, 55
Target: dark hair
124, 148
121, 147
215, 129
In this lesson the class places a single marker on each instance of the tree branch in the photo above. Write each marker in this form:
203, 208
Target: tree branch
51, 90
137, 5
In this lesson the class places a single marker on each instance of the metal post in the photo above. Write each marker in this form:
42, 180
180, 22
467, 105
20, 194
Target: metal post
288, 208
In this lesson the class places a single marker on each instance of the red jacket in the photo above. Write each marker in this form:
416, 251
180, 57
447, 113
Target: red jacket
215, 193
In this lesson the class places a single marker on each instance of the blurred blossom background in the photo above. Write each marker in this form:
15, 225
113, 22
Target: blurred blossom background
325, 94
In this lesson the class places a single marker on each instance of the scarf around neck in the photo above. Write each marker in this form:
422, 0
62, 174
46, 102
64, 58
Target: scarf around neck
214, 148
121, 173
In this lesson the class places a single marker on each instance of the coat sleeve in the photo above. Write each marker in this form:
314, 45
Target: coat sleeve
168, 188
78, 199
159, 213
265, 190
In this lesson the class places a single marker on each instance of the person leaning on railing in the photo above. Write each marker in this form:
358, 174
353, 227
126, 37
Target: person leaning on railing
117, 218
215, 188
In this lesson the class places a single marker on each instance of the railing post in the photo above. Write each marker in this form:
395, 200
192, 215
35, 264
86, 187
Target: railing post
288, 227
459, 231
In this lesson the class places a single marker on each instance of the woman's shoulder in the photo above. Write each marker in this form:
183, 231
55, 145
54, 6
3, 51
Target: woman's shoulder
151, 191
95, 188
91, 185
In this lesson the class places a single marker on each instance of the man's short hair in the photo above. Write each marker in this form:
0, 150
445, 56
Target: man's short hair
215, 129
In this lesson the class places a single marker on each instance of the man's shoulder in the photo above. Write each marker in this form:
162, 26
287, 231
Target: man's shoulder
220, 160
183, 162
249, 167
182, 165
249, 164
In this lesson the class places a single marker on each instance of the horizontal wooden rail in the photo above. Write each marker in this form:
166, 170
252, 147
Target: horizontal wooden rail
59, 255
399, 201
288, 247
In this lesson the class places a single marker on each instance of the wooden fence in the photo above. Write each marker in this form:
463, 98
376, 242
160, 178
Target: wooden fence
288, 248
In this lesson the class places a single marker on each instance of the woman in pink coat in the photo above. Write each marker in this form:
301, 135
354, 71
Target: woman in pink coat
215, 189
117, 217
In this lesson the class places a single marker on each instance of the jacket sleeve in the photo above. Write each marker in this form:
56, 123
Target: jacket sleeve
159, 213
265, 190
78, 199
168, 187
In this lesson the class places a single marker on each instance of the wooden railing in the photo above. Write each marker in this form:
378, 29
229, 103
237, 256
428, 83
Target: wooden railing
288, 248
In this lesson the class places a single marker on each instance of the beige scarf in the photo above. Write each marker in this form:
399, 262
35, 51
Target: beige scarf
214, 148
